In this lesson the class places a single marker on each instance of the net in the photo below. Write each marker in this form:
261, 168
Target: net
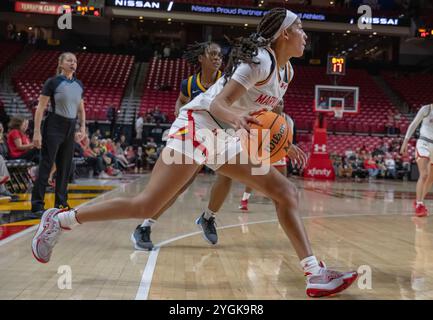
338, 112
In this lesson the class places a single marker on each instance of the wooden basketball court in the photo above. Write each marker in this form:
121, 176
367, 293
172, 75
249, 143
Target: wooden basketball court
351, 225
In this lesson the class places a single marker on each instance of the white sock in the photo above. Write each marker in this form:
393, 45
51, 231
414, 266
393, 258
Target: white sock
246, 196
310, 265
419, 202
68, 219
208, 214
148, 223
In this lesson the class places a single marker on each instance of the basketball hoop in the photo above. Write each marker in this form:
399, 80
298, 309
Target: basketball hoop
338, 112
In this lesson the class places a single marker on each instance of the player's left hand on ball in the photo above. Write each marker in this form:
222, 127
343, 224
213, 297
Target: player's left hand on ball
296, 155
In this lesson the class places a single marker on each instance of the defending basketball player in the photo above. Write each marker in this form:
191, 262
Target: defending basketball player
254, 79
424, 155
207, 58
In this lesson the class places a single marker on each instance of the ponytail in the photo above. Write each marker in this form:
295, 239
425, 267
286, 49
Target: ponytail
245, 49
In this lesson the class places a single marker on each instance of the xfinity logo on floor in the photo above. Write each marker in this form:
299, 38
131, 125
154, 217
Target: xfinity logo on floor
319, 172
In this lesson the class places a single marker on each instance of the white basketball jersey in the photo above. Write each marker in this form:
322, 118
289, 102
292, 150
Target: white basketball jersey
264, 94
427, 123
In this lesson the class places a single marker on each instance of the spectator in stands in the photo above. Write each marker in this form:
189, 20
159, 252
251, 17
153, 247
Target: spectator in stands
85, 145
345, 169
119, 159
156, 133
123, 142
98, 134
82, 150
108, 151
151, 154
166, 52
120, 155
402, 166
131, 155
140, 160
149, 118
380, 165
358, 170
371, 166
139, 128
395, 145
390, 166
159, 116
19, 144
405, 161
4, 178
336, 161
57, 140
379, 151
390, 123
4, 150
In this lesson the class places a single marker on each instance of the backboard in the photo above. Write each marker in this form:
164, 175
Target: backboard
336, 99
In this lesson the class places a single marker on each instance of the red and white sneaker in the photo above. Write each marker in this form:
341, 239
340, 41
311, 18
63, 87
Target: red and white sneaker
47, 235
421, 210
328, 282
244, 205
414, 204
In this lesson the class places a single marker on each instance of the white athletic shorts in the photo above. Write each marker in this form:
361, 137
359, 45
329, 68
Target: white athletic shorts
200, 137
424, 149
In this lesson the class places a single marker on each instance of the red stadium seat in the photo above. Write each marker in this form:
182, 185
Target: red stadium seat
102, 89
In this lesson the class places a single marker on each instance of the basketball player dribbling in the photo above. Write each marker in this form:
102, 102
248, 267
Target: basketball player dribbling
424, 155
207, 58
256, 68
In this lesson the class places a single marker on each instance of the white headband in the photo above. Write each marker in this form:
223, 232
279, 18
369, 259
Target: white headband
288, 21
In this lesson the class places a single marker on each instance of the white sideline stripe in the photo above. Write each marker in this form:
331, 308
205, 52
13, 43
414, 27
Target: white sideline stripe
146, 279
33, 228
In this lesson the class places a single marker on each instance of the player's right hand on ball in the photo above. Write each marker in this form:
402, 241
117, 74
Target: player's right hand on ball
244, 121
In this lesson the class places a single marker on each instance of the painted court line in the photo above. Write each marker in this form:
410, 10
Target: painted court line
146, 279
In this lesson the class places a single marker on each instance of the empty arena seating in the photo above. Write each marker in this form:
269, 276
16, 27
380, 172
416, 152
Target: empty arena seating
415, 89
166, 75
339, 144
374, 104
104, 76
8, 51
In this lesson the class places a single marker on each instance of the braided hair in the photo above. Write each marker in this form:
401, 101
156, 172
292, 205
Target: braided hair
198, 49
245, 49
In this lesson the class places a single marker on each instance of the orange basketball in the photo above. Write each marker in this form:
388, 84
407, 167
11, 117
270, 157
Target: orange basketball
269, 145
